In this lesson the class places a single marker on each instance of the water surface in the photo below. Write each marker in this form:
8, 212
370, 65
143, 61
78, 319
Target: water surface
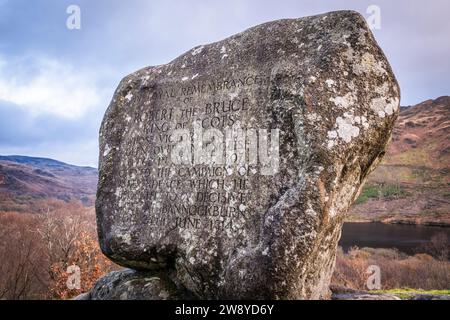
406, 238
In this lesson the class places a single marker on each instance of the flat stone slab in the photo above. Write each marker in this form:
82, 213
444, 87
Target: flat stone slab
134, 285
233, 166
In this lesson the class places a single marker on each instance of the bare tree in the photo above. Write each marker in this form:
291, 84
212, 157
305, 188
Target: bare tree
21, 257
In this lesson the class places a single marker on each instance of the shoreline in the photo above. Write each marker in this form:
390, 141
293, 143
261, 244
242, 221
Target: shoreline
402, 221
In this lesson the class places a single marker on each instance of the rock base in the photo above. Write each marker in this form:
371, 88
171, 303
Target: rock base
129, 284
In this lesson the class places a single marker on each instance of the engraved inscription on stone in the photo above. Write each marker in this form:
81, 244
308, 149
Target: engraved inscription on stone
202, 148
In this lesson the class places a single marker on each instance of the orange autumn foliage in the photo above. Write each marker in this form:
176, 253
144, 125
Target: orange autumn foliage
91, 263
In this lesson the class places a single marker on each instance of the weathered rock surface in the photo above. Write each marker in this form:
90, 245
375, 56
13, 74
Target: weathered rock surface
134, 285
445, 297
281, 125
339, 293
365, 296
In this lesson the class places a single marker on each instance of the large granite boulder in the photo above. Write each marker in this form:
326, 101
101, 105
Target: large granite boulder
232, 167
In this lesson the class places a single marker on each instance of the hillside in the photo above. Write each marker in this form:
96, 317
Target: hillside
412, 185
25, 180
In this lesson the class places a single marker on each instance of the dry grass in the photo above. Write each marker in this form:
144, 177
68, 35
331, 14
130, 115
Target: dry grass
421, 271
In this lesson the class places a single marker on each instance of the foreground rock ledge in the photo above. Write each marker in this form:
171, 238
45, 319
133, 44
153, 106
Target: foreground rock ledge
128, 284
266, 227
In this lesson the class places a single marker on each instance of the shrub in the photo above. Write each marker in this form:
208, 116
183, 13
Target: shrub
398, 270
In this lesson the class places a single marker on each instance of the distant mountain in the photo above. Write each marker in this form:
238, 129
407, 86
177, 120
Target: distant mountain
25, 179
412, 185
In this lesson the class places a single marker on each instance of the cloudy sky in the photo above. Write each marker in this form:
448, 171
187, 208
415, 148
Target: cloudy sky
56, 83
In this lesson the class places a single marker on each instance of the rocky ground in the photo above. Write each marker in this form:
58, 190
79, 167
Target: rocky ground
128, 284
340, 293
